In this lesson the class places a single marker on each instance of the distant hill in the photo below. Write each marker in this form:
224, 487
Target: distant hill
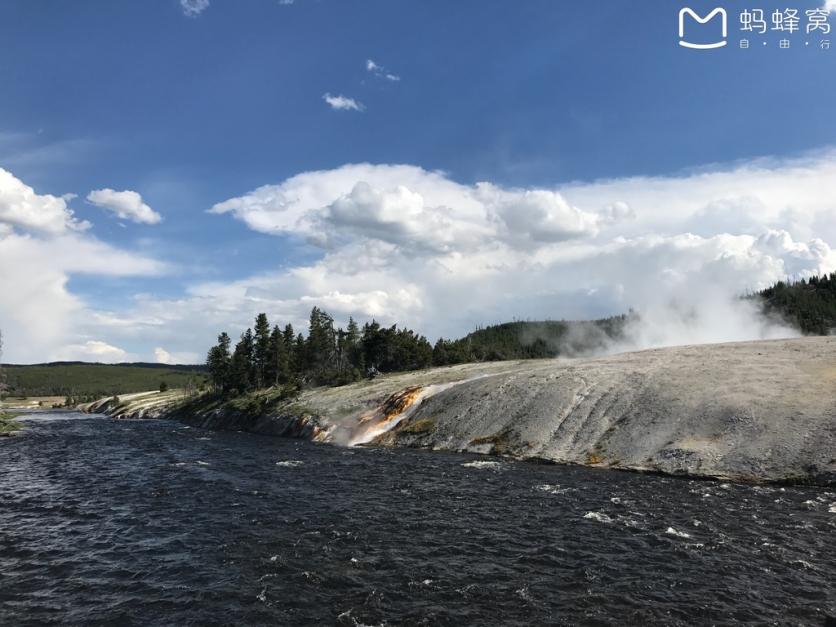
531, 340
809, 304
80, 379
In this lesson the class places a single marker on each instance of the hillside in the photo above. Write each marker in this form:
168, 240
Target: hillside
749, 411
79, 379
809, 304
531, 340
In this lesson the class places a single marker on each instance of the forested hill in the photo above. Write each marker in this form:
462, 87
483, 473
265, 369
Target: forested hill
531, 340
80, 379
809, 304
268, 355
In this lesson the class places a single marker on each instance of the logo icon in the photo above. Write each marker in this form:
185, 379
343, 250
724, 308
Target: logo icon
724, 21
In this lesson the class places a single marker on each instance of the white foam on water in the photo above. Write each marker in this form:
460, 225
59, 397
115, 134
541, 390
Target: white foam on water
290, 463
201, 463
552, 488
679, 534
832, 508
598, 516
483, 464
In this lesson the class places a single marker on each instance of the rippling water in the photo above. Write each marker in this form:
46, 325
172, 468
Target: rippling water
139, 522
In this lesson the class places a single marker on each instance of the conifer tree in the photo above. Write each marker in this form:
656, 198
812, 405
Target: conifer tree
218, 364
277, 359
261, 347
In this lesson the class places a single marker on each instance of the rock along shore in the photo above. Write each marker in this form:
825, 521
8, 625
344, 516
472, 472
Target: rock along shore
748, 411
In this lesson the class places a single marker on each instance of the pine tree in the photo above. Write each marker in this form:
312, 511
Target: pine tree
243, 372
218, 364
320, 353
277, 370
299, 356
352, 341
261, 348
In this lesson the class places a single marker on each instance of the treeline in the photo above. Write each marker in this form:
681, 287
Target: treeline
809, 304
272, 356
83, 381
266, 355
530, 340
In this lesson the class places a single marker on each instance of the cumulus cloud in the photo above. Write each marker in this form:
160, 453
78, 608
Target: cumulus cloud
92, 350
193, 8
343, 103
21, 207
412, 209
405, 244
380, 72
40, 316
162, 356
127, 205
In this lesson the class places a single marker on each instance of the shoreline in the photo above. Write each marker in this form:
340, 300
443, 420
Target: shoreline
750, 412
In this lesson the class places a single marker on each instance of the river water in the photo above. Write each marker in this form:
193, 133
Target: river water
153, 522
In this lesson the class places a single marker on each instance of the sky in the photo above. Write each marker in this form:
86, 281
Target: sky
170, 168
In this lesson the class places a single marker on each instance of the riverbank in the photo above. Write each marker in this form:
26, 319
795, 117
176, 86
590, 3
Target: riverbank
8, 425
750, 412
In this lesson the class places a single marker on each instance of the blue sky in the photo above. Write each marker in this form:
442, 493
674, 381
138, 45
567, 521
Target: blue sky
192, 110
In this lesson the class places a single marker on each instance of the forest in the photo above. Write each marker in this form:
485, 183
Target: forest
86, 382
807, 304
267, 356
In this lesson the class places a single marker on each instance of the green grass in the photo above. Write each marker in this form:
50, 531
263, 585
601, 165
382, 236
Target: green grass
7, 423
95, 380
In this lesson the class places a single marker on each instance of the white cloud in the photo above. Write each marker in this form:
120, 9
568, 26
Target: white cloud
40, 316
21, 207
127, 205
403, 244
830, 5
162, 356
193, 8
343, 103
92, 350
411, 209
380, 72
407, 245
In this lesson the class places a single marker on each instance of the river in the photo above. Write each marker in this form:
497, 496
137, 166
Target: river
153, 522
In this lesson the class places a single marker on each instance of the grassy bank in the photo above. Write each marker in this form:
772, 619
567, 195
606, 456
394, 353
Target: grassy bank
8, 424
